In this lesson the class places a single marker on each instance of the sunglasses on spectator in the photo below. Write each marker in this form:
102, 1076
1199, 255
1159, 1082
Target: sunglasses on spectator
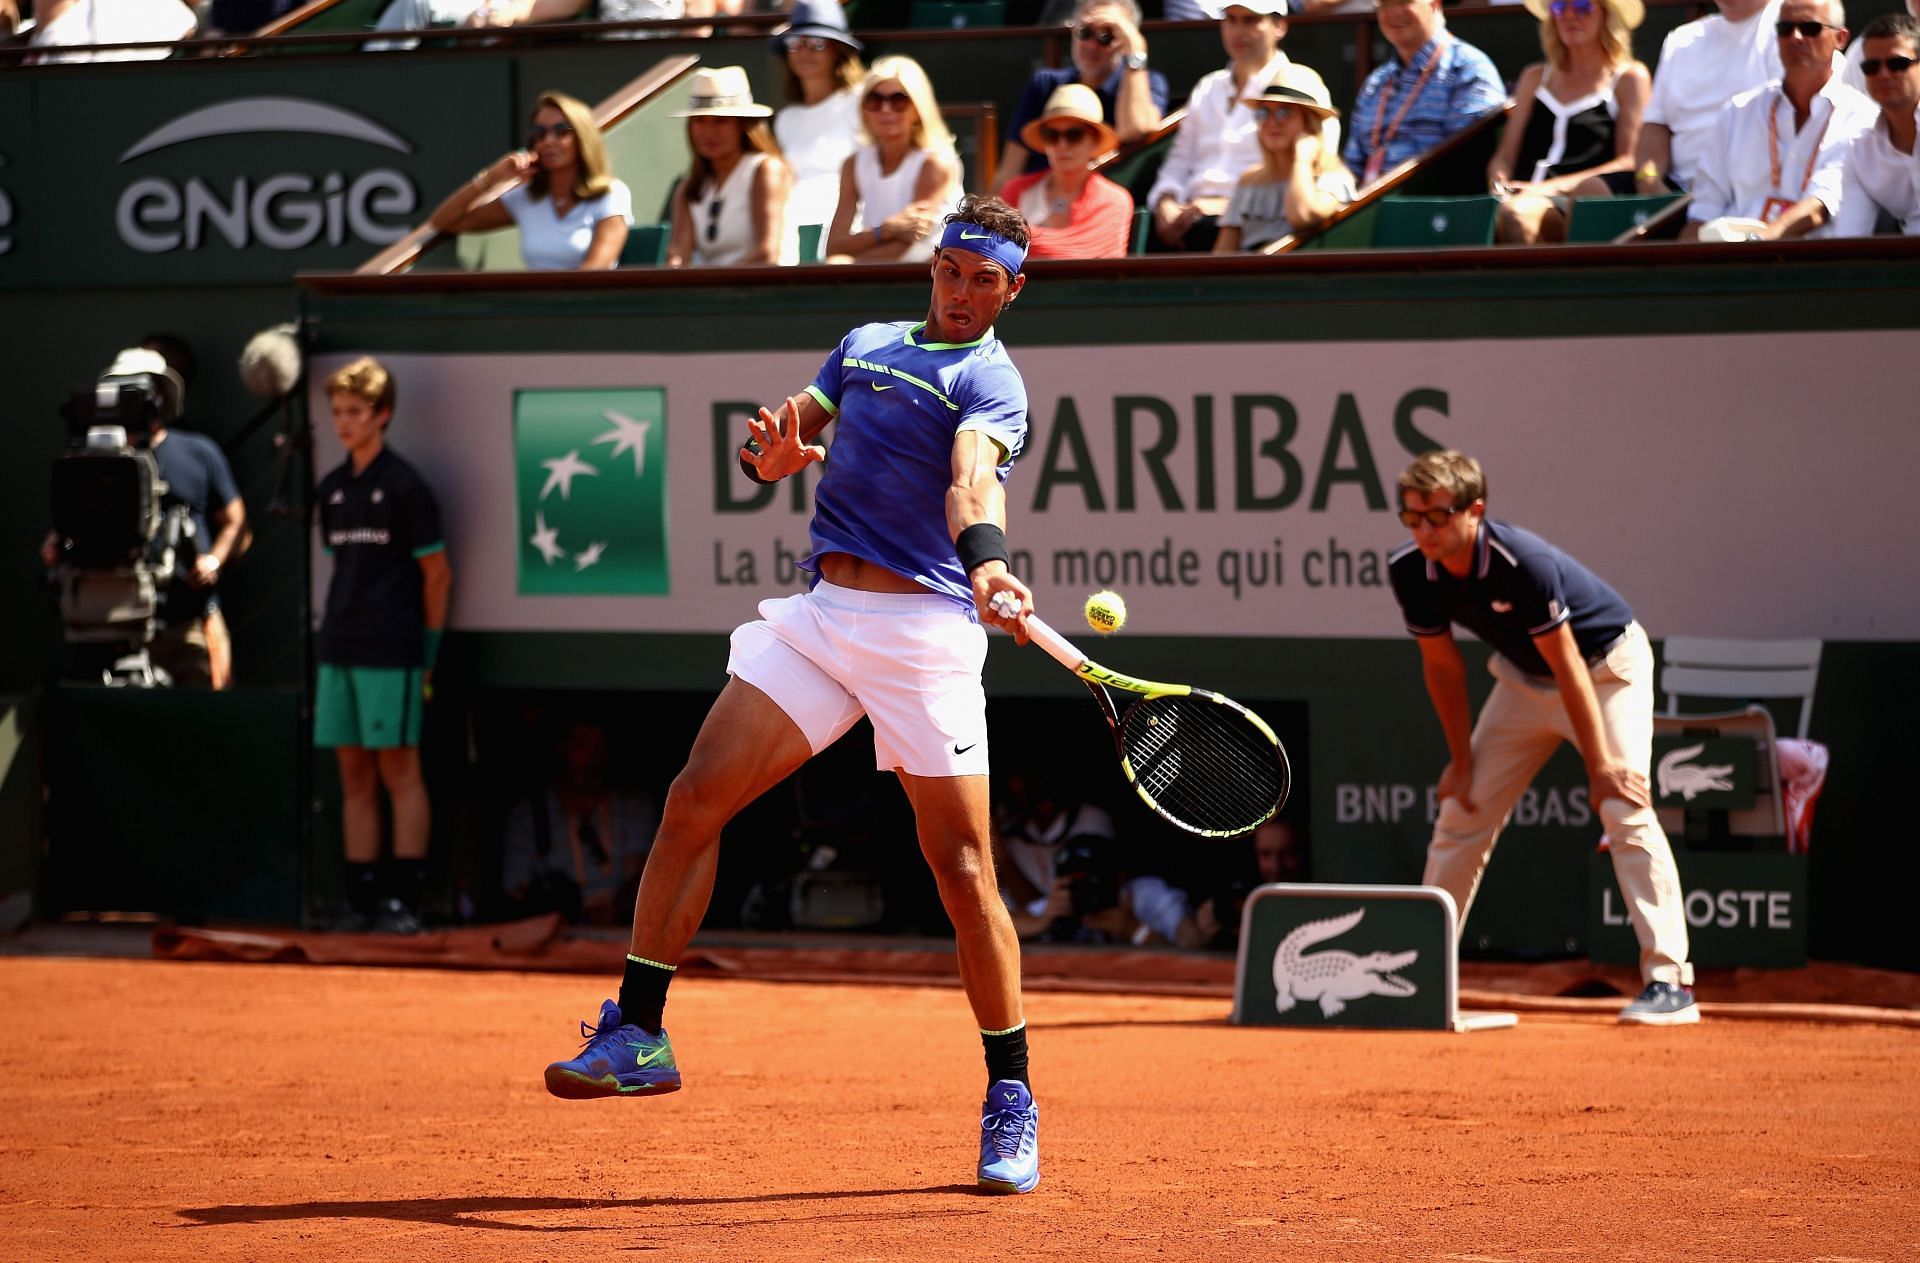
1411, 518
713, 218
1393, 4
1560, 8
538, 133
1810, 29
1101, 35
893, 102
1062, 135
1274, 111
1895, 65
807, 44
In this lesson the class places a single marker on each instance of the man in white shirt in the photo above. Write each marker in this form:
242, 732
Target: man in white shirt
1882, 170
79, 23
1703, 65
1851, 73
1219, 138
1775, 157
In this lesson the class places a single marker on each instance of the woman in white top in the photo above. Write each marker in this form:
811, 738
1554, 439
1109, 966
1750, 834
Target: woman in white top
1299, 181
820, 126
898, 185
732, 206
1575, 116
572, 214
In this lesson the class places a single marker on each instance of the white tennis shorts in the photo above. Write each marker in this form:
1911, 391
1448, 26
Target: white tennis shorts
910, 663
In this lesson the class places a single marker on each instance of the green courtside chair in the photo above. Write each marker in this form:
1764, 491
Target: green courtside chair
1434, 221
1604, 218
1142, 228
811, 236
646, 246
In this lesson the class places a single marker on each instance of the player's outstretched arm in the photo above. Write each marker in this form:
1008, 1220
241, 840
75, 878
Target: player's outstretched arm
777, 444
976, 503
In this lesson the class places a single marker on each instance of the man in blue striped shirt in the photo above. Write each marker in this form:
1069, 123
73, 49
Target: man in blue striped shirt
1431, 88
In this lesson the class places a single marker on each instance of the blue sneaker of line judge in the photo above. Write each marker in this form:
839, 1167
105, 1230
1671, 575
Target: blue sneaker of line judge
1009, 1139
619, 1059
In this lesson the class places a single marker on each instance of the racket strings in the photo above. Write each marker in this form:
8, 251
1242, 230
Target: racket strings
1207, 765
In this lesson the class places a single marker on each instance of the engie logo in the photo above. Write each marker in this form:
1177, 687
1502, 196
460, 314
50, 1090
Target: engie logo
290, 211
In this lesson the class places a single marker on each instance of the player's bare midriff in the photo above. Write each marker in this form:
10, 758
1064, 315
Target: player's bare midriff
845, 570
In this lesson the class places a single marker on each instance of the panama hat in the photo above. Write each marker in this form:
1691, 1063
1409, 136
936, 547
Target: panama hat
824, 18
1632, 12
1296, 85
1075, 101
722, 92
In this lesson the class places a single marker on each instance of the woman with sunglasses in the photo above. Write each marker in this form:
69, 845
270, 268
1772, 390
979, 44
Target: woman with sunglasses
904, 177
572, 214
1299, 181
819, 127
733, 206
1576, 115
1072, 211
1109, 56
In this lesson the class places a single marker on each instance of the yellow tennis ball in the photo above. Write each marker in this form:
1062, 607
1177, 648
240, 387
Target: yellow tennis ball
1106, 612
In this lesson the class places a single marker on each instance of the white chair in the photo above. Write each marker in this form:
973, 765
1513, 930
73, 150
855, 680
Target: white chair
1716, 668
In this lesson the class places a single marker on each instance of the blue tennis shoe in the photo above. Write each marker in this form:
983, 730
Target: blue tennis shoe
1009, 1139
619, 1059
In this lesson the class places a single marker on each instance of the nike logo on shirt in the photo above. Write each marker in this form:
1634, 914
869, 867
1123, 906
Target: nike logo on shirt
878, 386
962, 749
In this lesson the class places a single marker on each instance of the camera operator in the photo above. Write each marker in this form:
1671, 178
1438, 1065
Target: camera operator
191, 645
1274, 851
1067, 878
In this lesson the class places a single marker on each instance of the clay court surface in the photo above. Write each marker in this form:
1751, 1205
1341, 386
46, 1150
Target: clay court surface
158, 1111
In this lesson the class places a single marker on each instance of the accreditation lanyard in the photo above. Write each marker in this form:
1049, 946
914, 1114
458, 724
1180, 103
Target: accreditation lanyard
1376, 148
1778, 205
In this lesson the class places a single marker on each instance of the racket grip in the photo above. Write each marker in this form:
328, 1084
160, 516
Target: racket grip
1054, 643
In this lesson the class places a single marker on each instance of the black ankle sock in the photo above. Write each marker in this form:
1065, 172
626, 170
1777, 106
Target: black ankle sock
1006, 1055
643, 992
406, 880
363, 887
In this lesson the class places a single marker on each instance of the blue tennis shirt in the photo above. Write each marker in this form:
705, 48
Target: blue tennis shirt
1520, 586
898, 403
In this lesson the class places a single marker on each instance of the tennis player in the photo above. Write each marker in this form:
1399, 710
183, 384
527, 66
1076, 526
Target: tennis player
1570, 664
908, 550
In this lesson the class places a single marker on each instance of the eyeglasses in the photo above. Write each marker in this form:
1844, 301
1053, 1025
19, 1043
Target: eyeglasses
892, 102
1411, 518
1394, 4
538, 133
807, 44
1273, 112
713, 219
1062, 135
1101, 35
1894, 65
1561, 8
1808, 29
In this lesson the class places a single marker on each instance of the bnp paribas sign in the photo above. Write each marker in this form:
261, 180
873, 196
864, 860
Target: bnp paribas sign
204, 177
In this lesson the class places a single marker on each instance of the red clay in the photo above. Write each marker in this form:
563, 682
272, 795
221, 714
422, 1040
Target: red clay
161, 1111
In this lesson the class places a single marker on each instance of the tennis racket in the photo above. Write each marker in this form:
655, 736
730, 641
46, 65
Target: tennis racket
1201, 761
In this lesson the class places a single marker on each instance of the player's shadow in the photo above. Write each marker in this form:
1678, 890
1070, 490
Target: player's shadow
476, 1212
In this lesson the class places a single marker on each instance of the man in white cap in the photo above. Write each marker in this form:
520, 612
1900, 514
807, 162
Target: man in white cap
1219, 137
909, 553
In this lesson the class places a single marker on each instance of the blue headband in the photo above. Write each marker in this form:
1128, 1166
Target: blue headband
986, 242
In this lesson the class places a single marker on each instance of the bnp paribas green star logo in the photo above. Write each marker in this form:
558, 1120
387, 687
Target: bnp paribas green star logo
590, 481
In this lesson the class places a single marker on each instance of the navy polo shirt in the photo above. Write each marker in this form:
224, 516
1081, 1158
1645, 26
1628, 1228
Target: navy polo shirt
1033, 101
377, 523
1520, 586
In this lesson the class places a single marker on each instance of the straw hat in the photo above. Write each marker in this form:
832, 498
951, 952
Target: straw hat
824, 18
1632, 12
1296, 85
722, 92
1075, 102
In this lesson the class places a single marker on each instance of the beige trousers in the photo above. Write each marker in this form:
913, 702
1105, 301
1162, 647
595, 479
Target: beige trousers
1521, 726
